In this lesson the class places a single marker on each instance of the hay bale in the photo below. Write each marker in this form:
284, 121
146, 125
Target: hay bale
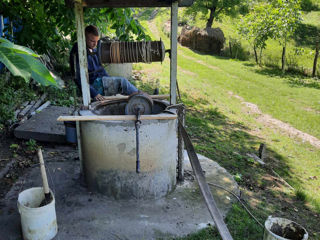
208, 40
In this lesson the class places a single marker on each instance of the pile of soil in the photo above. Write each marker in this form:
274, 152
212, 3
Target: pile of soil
208, 40
291, 231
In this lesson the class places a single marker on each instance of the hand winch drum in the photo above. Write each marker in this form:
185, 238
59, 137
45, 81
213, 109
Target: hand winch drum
130, 52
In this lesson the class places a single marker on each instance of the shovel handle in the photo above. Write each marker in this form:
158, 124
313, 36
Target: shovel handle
43, 173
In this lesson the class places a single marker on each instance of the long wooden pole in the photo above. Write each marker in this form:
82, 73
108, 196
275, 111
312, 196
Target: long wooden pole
173, 59
111, 98
44, 175
82, 53
116, 117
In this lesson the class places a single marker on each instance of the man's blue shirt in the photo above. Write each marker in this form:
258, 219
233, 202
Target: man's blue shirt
95, 68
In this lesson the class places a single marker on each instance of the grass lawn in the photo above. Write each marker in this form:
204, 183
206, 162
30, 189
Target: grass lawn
232, 107
300, 49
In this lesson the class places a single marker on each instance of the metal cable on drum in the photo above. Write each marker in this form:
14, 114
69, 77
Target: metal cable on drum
144, 51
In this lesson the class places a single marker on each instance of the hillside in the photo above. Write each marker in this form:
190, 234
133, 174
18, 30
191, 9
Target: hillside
232, 107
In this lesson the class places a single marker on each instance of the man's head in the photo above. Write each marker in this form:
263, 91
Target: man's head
92, 36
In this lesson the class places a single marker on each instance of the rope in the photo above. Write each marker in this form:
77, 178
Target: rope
115, 52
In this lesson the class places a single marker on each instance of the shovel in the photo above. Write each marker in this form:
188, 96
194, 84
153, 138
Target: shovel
47, 196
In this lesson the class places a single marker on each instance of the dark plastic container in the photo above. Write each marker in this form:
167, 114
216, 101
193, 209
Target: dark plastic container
71, 132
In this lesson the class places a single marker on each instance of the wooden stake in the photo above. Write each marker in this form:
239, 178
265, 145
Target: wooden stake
44, 177
116, 117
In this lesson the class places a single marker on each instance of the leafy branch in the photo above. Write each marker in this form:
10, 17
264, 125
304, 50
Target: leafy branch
23, 62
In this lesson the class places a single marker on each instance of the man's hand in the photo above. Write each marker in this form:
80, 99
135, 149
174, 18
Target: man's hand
99, 97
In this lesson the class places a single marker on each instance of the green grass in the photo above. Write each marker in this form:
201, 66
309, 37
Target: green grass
246, 229
222, 130
300, 49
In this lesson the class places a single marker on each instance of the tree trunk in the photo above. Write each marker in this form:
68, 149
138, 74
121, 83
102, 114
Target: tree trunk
255, 54
315, 61
230, 48
283, 59
211, 17
260, 64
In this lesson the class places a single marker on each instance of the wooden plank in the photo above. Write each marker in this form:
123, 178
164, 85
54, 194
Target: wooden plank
43, 106
116, 98
112, 98
16, 112
130, 3
37, 104
173, 59
82, 52
116, 117
181, 118
26, 110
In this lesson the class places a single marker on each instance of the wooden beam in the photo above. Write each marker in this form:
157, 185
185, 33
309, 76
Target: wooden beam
173, 59
116, 117
129, 3
82, 52
111, 98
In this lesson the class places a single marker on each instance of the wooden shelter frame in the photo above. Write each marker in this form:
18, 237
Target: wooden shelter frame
174, 4
78, 8
84, 76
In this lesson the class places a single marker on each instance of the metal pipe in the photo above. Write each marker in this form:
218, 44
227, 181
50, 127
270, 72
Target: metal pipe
137, 125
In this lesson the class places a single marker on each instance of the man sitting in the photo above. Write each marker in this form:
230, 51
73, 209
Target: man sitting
99, 80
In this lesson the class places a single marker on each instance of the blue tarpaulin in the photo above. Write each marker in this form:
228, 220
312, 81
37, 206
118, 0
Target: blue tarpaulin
4, 21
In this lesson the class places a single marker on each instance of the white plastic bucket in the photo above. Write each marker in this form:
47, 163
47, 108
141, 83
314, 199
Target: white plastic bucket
283, 229
38, 223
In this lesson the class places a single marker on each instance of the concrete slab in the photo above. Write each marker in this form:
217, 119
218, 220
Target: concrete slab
44, 126
83, 215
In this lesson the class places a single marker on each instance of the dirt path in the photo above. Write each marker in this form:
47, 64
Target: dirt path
266, 119
271, 122
153, 28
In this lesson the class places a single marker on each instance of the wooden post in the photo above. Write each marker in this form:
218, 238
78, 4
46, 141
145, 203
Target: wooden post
173, 59
181, 118
82, 52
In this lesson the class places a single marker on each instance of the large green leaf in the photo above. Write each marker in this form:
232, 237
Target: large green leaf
22, 61
15, 63
17, 48
39, 72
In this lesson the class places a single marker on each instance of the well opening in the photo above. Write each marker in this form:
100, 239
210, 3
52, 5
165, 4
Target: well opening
119, 108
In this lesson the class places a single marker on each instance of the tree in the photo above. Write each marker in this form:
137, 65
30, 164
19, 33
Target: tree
23, 62
257, 27
213, 7
316, 55
287, 16
49, 26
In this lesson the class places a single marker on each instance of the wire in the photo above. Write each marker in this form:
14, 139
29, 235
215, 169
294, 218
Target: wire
238, 198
